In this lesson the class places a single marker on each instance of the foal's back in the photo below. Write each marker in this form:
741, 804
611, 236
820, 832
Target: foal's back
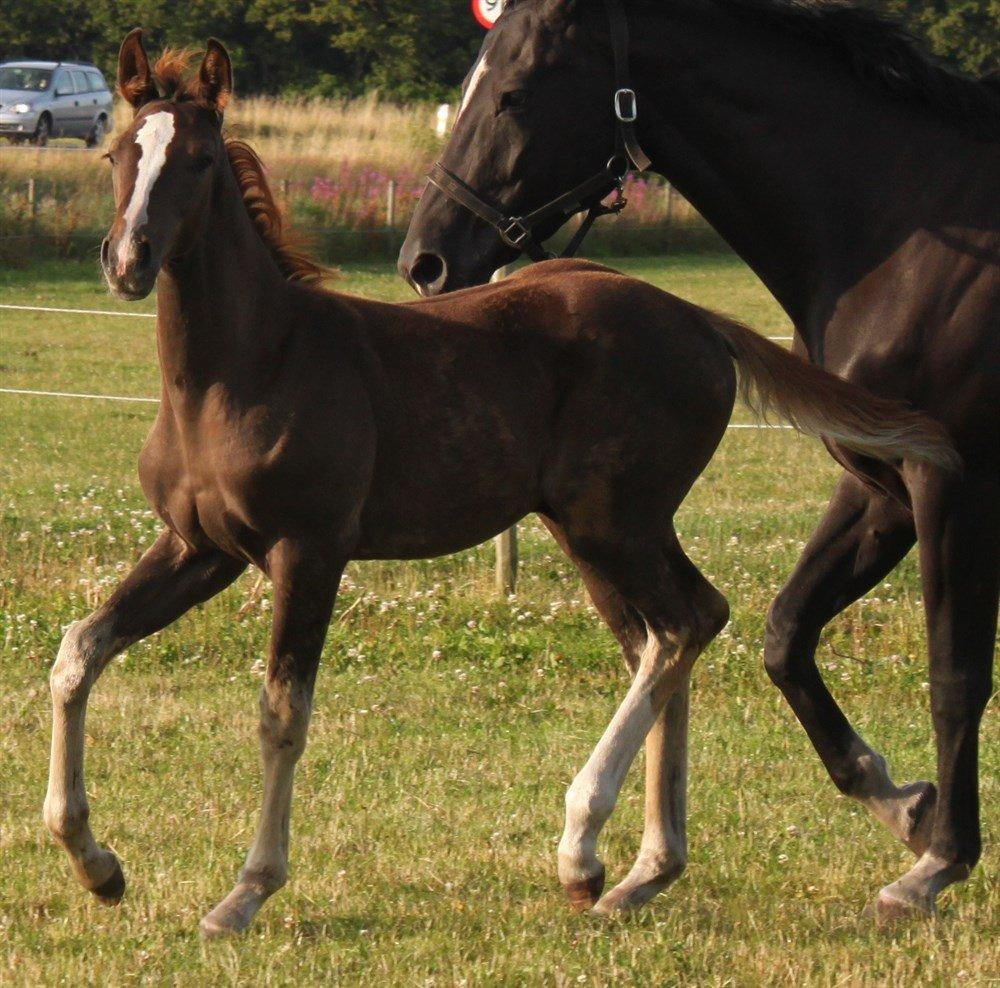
498, 401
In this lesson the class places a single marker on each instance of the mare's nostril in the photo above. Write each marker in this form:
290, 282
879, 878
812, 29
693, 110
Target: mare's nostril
105, 251
428, 271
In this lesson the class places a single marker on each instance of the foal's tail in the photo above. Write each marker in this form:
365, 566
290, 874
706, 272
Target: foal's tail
776, 382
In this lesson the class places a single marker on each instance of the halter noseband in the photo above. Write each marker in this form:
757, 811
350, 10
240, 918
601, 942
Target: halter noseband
518, 232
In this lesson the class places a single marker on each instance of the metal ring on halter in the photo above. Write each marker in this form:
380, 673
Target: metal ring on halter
515, 233
631, 113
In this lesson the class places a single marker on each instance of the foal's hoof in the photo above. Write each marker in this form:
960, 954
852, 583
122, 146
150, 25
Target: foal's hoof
112, 889
640, 886
583, 896
234, 914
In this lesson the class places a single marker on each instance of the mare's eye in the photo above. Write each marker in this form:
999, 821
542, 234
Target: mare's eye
516, 99
203, 162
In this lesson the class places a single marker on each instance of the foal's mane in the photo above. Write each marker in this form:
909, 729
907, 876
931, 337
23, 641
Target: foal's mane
174, 82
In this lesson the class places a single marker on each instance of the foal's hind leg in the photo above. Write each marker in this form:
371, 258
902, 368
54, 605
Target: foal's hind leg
861, 538
663, 851
682, 613
305, 587
167, 581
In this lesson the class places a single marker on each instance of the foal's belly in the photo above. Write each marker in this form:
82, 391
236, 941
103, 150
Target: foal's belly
438, 508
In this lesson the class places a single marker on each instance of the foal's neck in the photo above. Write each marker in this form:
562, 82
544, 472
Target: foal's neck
220, 310
815, 177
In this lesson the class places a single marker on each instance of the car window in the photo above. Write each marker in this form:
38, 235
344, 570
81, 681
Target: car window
63, 84
25, 79
96, 80
80, 82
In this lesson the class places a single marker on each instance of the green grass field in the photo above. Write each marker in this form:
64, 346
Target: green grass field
448, 724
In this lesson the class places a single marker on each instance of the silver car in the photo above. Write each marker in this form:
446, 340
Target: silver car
39, 100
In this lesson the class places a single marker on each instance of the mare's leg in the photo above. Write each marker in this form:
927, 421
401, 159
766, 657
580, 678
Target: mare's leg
682, 613
663, 851
305, 587
958, 522
168, 580
861, 538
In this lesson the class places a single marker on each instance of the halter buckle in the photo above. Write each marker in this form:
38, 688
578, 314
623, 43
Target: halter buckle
626, 105
515, 234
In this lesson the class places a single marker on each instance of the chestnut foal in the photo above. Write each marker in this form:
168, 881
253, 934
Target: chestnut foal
299, 429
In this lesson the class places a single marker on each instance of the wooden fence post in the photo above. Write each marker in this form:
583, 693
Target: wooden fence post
670, 214
505, 544
32, 206
390, 214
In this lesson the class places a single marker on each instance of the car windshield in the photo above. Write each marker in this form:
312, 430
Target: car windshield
24, 78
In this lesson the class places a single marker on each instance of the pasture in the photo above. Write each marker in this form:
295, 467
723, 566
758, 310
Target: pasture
448, 723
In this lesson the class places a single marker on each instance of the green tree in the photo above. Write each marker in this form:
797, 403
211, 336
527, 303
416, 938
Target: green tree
964, 32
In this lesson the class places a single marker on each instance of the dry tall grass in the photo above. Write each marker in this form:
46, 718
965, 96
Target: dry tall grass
331, 160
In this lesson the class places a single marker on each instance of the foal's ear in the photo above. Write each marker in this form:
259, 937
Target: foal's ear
215, 77
135, 78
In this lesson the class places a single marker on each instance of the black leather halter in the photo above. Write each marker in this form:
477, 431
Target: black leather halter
519, 231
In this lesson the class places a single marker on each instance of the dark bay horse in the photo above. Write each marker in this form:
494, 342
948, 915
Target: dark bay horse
861, 181
299, 429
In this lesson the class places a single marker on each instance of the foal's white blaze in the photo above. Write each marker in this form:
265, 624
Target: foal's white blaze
478, 74
153, 138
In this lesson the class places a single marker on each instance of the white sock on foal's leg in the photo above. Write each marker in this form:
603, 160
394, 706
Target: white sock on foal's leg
663, 852
593, 794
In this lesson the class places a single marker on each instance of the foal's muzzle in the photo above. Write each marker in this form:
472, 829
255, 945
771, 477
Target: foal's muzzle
128, 266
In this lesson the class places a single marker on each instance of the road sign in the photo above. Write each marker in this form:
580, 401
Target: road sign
487, 11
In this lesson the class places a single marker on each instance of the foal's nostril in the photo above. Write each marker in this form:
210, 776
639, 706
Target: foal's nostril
143, 254
428, 271
105, 251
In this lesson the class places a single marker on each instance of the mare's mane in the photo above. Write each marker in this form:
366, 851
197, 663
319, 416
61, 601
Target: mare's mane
876, 48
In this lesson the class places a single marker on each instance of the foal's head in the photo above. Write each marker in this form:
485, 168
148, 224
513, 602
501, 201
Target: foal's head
535, 120
163, 164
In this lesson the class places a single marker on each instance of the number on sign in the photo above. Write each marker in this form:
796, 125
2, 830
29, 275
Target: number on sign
487, 11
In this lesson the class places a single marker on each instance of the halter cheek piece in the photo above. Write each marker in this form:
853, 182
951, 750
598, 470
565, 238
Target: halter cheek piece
518, 232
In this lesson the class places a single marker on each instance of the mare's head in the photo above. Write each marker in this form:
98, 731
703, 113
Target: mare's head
535, 120
163, 164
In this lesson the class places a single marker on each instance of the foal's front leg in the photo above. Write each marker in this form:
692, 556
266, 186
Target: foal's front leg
168, 580
305, 587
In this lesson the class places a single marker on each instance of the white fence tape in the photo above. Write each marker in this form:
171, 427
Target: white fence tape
77, 394
79, 312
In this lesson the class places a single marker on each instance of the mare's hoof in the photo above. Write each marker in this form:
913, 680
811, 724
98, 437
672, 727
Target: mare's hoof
895, 905
111, 890
583, 896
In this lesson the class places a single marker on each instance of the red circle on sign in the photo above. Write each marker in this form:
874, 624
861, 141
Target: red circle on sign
487, 11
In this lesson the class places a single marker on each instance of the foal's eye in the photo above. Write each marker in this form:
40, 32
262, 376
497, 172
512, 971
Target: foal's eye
516, 99
203, 162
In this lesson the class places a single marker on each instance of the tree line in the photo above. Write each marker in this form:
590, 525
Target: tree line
407, 49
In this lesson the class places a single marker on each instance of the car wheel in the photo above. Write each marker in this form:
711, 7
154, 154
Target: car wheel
96, 135
43, 131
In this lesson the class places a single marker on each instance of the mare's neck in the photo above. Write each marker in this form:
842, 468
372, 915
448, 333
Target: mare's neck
220, 301
813, 176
